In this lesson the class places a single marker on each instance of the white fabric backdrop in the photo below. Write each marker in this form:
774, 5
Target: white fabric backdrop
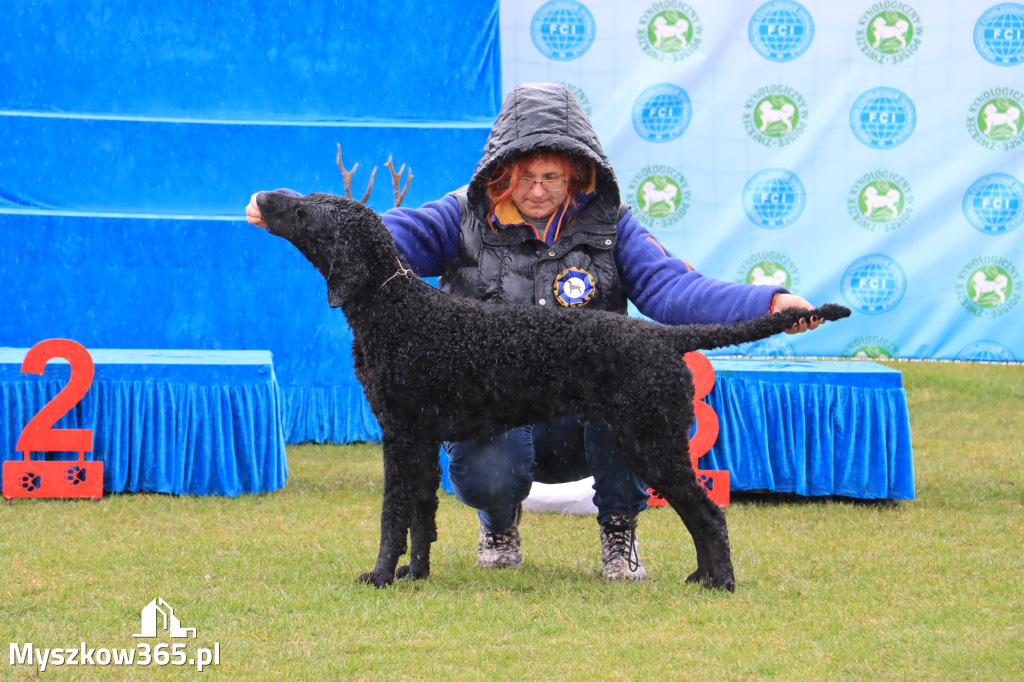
870, 153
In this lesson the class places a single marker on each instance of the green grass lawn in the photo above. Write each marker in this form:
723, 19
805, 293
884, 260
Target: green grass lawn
930, 589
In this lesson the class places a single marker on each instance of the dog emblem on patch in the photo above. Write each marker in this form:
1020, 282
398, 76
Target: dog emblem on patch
574, 287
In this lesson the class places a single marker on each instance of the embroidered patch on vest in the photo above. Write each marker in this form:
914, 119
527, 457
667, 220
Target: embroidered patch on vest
574, 287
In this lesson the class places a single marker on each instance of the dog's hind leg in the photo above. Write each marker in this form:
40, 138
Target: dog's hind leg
423, 529
397, 508
653, 433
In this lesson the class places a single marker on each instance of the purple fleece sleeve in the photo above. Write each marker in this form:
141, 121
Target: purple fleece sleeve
427, 236
667, 289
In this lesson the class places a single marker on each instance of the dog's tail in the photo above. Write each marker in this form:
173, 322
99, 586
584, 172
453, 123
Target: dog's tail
686, 338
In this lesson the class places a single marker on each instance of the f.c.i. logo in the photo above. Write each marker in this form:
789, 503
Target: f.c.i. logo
774, 198
999, 34
562, 29
781, 30
994, 204
883, 118
662, 112
574, 287
986, 351
874, 284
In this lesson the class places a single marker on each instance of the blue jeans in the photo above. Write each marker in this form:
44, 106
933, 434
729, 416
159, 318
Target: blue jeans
494, 474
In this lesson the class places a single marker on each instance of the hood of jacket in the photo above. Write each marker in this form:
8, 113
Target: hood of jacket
545, 116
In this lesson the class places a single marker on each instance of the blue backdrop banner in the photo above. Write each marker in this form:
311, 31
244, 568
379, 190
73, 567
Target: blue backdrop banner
132, 136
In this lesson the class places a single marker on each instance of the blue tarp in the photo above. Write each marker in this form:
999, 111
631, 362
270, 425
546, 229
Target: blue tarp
132, 136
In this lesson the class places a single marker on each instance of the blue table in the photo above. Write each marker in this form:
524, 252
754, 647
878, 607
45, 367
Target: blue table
812, 427
182, 422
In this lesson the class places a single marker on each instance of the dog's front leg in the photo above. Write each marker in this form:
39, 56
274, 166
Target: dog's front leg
396, 510
423, 529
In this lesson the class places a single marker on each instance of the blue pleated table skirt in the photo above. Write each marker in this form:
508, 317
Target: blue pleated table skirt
181, 422
810, 427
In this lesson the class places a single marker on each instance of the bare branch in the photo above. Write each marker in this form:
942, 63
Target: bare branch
347, 175
396, 179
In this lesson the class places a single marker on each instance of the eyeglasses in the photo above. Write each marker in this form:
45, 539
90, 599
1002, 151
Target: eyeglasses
527, 184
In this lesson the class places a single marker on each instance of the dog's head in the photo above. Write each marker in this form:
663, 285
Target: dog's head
345, 240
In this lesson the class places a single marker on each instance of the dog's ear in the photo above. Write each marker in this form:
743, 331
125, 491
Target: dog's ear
346, 276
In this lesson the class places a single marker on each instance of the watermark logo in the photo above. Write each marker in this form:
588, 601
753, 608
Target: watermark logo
662, 112
880, 201
581, 96
158, 612
986, 351
874, 284
562, 30
999, 34
662, 195
883, 118
781, 30
871, 348
775, 115
994, 120
774, 198
669, 31
986, 286
994, 204
156, 617
889, 32
770, 268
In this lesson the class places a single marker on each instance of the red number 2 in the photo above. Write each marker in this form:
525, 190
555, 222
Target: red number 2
39, 434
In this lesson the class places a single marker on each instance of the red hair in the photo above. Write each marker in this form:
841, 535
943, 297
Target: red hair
506, 176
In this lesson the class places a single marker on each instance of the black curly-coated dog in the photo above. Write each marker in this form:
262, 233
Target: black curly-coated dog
438, 368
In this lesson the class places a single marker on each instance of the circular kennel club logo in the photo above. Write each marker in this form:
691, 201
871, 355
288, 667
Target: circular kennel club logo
994, 204
574, 287
999, 34
986, 287
994, 119
871, 348
774, 198
880, 201
986, 351
874, 284
669, 31
770, 268
781, 30
889, 32
662, 112
775, 115
772, 347
562, 30
662, 195
883, 118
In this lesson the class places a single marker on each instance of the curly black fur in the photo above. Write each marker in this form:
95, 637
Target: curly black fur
438, 368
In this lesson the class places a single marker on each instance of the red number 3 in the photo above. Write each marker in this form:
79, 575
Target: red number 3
39, 434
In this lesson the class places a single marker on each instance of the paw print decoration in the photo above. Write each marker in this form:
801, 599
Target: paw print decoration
31, 482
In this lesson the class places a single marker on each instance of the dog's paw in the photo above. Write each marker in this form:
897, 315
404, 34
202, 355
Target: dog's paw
701, 575
406, 573
721, 584
375, 580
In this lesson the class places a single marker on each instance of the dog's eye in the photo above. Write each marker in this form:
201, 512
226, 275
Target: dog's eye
301, 213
